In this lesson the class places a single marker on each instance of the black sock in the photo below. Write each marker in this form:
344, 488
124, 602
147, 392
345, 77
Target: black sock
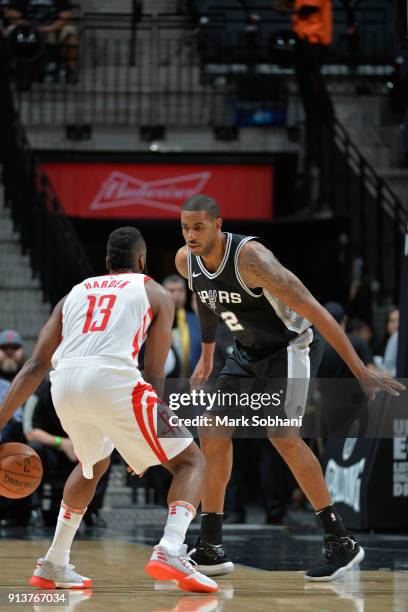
211, 527
331, 521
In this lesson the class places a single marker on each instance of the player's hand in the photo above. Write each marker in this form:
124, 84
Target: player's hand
372, 382
68, 449
201, 373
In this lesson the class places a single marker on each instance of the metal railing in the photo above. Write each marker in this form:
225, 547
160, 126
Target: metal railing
128, 78
47, 234
164, 70
377, 217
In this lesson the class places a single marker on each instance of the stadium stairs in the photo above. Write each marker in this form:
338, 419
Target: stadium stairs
126, 507
379, 138
21, 300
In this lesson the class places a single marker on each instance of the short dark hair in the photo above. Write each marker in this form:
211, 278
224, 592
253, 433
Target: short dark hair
336, 310
356, 325
122, 245
202, 202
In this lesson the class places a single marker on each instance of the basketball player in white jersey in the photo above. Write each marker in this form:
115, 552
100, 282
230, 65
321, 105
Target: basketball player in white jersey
92, 339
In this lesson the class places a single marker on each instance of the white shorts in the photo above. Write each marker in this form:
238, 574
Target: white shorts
102, 407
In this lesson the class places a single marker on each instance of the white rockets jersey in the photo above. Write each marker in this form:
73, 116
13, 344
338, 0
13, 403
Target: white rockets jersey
105, 316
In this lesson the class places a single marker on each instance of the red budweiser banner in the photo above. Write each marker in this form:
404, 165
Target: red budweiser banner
157, 191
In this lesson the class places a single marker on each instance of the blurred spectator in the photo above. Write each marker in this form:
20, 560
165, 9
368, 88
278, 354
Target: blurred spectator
12, 358
13, 513
391, 353
342, 404
46, 436
391, 326
362, 292
172, 367
4, 385
186, 326
360, 329
387, 349
52, 19
5, 433
12, 355
332, 365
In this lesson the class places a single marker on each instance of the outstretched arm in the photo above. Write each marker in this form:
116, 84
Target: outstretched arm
260, 268
35, 368
159, 335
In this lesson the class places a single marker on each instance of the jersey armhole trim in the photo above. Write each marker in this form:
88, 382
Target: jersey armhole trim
237, 273
189, 267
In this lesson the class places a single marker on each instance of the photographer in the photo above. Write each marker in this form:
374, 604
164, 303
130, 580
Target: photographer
52, 20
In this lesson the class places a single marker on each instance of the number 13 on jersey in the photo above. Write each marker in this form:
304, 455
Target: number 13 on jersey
98, 313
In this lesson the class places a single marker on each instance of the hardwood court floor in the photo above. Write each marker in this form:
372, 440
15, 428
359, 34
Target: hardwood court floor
120, 584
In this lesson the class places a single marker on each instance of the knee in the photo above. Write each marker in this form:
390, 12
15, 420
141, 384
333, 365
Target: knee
191, 458
200, 460
195, 457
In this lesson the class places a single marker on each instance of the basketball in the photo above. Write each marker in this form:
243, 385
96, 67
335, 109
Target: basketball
20, 470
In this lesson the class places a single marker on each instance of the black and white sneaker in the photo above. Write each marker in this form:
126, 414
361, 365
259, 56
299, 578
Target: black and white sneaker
211, 559
339, 554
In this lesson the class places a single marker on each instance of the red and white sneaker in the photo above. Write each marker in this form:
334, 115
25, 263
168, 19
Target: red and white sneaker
163, 566
49, 576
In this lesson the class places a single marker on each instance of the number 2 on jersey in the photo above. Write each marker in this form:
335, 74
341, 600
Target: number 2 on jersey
231, 321
93, 321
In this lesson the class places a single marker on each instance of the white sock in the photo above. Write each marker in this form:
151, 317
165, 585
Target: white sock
180, 515
68, 522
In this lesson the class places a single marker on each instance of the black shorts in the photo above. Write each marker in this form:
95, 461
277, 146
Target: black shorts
274, 385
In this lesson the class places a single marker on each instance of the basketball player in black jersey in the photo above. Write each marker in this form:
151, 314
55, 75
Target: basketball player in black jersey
271, 314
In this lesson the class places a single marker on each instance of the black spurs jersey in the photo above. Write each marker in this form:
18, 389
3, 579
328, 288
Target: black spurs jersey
257, 319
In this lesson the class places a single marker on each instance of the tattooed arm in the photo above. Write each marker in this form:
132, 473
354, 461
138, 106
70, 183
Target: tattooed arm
258, 267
